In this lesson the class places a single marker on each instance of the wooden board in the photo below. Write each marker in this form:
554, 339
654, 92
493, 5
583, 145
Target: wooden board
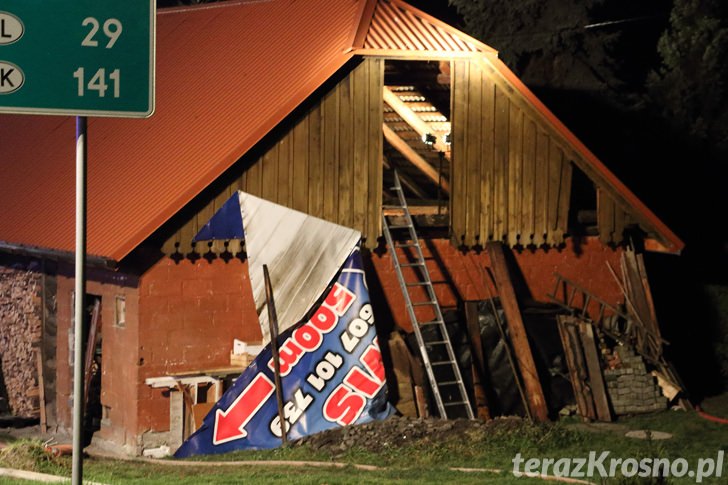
473, 133
541, 189
596, 378
285, 180
315, 163
331, 155
554, 191
500, 192
346, 134
487, 147
515, 168
605, 217
360, 115
562, 224
300, 166
519, 338
459, 153
529, 177
375, 153
578, 374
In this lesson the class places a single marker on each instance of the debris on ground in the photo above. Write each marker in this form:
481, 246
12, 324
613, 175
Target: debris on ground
397, 431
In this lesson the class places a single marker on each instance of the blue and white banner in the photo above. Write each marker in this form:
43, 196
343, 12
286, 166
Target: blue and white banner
331, 374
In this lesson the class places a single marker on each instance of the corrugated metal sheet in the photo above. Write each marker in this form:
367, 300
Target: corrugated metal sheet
400, 27
226, 75
303, 254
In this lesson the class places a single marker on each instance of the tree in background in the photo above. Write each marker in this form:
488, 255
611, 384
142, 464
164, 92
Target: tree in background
589, 45
689, 88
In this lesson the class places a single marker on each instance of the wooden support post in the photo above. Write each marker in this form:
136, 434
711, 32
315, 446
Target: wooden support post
521, 347
273, 328
478, 360
41, 392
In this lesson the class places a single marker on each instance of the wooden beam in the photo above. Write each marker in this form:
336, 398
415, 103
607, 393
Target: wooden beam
418, 210
411, 118
413, 187
414, 158
521, 347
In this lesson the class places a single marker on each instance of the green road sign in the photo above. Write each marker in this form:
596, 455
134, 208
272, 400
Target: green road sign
80, 57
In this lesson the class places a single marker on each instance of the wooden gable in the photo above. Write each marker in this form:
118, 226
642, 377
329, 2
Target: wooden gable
327, 163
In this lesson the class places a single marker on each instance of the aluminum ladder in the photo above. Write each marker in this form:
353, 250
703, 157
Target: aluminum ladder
433, 339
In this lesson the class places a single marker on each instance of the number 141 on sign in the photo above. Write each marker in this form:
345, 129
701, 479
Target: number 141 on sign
97, 82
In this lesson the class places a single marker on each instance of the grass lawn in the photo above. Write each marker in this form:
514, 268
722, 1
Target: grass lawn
426, 461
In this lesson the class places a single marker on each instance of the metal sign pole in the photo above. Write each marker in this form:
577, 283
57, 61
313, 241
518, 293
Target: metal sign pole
79, 299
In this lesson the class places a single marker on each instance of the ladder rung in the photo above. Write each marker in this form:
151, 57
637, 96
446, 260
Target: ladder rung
437, 342
444, 362
423, 303
448, 383
421, 283
405, 245
455, 403
432, 322
399, 226
409, 265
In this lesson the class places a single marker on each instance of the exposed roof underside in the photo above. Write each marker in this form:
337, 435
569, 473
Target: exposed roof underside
226, 75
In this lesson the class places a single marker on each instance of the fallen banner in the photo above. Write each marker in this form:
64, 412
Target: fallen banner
331, 372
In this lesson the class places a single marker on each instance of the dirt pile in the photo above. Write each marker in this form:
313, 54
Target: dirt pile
398, 431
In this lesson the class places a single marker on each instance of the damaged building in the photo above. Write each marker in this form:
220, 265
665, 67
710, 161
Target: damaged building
334, 109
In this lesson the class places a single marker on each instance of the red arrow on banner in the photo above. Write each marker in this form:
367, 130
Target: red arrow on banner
230, 424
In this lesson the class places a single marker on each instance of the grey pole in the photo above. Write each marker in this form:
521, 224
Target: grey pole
79, 299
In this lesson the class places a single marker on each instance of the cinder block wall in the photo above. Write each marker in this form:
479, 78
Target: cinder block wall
190, 312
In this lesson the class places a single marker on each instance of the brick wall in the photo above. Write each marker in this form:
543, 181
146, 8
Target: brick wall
190, 312
456, 273
119, 353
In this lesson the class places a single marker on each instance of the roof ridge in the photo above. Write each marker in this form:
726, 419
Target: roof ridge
209, 6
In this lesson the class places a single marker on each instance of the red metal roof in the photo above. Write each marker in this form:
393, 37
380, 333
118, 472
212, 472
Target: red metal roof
227, 74
397, 26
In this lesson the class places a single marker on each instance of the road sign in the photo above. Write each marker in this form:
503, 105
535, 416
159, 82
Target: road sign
82, 58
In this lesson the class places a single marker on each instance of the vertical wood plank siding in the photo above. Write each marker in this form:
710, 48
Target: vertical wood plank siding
612, 220
511, 173
329, 164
